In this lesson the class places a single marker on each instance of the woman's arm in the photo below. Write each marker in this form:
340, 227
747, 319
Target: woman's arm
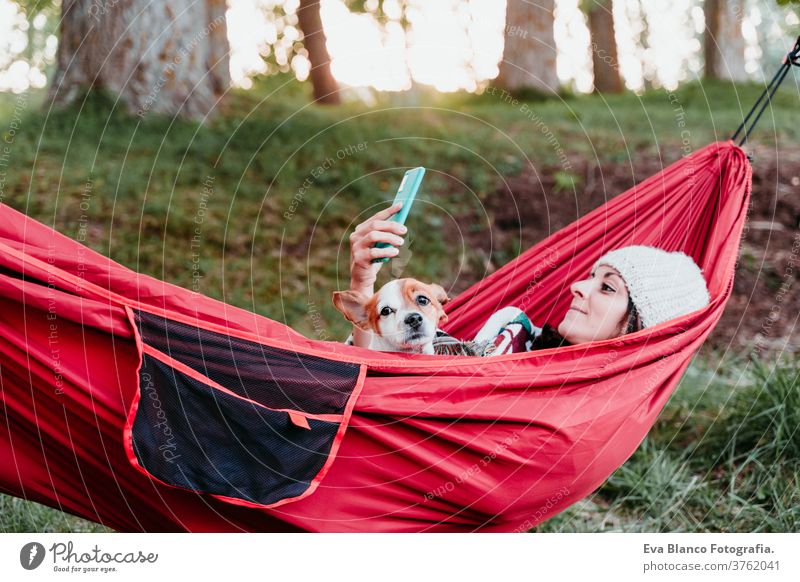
363, 272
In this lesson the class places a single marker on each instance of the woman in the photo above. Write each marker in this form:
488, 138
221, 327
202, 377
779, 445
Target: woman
628, 289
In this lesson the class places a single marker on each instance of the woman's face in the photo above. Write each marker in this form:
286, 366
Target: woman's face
599, 308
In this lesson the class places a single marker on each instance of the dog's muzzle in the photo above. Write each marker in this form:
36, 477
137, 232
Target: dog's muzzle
414, 321
416, 330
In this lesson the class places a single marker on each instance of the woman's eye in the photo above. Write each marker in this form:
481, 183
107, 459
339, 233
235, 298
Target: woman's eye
386, 311
422, 300
606, 287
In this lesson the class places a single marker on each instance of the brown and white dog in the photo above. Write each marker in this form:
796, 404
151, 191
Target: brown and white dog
401, 317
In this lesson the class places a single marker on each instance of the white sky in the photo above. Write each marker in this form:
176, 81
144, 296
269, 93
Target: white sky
440, 52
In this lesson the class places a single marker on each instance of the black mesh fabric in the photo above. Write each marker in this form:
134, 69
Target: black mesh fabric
191, 435
273, 377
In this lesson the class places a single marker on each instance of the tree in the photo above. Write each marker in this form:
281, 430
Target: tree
604, 46
529, 55
166, 57
326, 89
397, 13
723, 43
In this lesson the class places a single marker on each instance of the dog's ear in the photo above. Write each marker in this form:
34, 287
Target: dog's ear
441, 296
439, 293
351, 305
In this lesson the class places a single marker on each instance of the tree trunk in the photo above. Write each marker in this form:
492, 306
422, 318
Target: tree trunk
723, 43
604, 47
529, 56
166, 57
326, 89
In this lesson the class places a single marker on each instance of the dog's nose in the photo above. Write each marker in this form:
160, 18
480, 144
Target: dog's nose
413, 320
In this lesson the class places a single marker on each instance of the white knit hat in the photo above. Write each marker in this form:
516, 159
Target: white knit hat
662, 285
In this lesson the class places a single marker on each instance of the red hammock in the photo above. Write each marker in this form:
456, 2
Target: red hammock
96, 362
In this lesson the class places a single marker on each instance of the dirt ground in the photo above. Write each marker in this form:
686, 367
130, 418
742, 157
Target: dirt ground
763, 309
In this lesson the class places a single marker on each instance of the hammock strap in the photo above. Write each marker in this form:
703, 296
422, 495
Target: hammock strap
791, 58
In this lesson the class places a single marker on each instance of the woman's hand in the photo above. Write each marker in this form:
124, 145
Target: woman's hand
363, 272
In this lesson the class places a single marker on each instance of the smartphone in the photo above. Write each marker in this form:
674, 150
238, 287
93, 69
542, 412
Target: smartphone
406, 193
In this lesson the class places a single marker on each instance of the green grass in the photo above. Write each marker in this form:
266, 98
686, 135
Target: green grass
20, 516
723, 457
718, 456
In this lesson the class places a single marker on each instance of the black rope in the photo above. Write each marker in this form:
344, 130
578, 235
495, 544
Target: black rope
792, 58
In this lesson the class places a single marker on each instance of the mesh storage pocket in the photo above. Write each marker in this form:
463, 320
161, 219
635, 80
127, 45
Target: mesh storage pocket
257, 438
277, 378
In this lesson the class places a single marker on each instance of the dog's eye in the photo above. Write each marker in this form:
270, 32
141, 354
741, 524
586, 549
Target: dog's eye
422, 300
386, 311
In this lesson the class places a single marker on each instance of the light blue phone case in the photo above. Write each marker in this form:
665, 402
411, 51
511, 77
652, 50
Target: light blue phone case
406, 193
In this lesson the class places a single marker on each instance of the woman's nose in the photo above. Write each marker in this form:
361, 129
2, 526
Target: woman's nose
578, 288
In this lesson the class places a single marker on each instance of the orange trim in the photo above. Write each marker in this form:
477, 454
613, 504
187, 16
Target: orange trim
299, 420
184, 369
295, 416
127, 431
334, 448
331, 455
194, 322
